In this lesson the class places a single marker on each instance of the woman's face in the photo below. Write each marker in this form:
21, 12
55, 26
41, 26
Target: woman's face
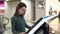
22, 10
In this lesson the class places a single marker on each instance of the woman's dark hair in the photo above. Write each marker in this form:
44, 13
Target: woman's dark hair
20, 5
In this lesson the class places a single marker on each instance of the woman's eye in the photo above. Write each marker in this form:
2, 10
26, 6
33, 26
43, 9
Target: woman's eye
23, 10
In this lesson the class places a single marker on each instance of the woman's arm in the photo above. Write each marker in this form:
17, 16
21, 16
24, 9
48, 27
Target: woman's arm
27, 26
13, 26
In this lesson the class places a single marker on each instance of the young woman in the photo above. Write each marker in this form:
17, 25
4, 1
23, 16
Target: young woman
18, 21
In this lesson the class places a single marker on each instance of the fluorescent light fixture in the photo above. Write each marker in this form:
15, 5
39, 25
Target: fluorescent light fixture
6, 0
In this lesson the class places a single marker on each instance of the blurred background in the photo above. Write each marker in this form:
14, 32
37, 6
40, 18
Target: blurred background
35, 10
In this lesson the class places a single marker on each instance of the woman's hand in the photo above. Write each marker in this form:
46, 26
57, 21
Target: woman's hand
22, 33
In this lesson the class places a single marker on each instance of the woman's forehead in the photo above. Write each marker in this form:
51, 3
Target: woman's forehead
23, 7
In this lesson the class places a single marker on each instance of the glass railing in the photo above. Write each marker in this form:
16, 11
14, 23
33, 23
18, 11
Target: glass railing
41, 26
35, 24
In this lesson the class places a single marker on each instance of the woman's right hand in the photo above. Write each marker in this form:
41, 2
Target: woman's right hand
22, 33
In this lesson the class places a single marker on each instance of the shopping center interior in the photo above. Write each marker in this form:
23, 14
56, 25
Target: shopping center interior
35, 10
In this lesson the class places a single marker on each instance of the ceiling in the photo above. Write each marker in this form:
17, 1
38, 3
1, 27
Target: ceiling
19, 0
12, 0
1, 0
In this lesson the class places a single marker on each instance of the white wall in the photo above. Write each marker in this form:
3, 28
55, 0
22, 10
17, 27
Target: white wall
10, 8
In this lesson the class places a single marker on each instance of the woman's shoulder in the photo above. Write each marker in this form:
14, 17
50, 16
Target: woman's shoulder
13, 17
